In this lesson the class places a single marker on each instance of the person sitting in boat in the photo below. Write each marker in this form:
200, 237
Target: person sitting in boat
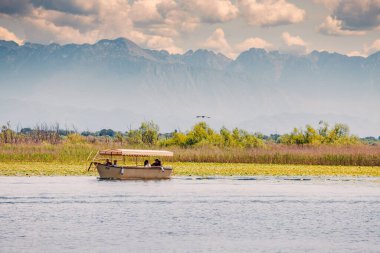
115, 163
146, 163
157, 163
108, 163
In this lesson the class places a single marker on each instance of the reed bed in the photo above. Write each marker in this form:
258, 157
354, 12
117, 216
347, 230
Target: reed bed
360, 155
356, 155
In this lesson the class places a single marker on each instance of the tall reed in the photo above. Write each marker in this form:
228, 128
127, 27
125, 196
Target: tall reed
359, 155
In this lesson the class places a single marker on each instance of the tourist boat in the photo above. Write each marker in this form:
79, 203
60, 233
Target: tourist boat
130, 172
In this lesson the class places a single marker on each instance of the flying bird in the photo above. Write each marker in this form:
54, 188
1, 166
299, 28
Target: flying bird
203, 116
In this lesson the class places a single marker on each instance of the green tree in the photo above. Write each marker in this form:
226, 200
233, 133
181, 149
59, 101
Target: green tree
295, 137
323, 129
198, 134
227, 138
134, 137
7, 134
107, 132
312, 136
119, 138
249, 140
149, 132
177, 139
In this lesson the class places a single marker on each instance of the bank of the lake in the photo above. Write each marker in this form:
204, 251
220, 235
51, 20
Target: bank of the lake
195, 169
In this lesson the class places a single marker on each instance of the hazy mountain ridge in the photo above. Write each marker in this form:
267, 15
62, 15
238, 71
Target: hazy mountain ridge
118, 55
179, 87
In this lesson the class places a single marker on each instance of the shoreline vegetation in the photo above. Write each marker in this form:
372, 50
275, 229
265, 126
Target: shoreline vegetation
200, 151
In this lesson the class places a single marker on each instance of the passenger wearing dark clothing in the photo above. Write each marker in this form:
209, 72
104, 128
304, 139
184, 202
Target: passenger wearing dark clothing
108, 163
157, 163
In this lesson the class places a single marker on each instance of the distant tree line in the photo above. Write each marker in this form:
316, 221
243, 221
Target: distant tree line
40, 133
338, 134
202, 134
199, 135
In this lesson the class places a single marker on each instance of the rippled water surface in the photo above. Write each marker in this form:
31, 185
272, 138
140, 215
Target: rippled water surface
83, 214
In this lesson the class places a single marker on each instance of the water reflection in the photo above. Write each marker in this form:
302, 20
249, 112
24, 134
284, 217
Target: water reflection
190, 214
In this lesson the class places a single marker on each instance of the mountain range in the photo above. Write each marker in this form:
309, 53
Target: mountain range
117, 84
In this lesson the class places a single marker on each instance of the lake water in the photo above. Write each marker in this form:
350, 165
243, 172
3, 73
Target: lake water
252, 214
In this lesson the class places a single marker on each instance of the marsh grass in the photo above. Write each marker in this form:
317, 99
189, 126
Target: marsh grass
44, 169
357, 155
244, 169
278, 154
194, 169
71, 159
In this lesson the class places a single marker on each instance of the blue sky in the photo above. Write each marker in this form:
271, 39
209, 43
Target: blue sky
228, 26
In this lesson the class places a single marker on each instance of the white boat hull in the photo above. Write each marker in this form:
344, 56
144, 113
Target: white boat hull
133, 172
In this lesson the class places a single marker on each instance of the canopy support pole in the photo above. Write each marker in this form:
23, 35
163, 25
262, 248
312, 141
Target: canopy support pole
93, 159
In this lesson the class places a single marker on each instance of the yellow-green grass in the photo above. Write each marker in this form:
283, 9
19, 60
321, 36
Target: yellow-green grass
195, 169
244, 169
360, 155
44, 169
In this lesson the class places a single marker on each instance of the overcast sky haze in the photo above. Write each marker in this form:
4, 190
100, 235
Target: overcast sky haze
349, 27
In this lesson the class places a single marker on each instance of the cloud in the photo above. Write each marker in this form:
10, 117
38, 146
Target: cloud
176, 18
217, 42
332, 26
75, 21
44, 31
212, 11
270, 12
163, 43
374, 47
172, 18
138, 37
253, 43
367, 49
12, 7
292, 40
83, 23
329, 4
69, 6
351, 17
72, 21
356, 53
5, 34
358, 14
162, 17
294, 43
114, 18
145, 12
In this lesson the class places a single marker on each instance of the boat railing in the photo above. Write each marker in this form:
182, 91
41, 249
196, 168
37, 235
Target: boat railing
133, 166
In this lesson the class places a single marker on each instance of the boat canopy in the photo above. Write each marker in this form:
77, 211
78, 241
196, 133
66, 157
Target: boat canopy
135, 152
